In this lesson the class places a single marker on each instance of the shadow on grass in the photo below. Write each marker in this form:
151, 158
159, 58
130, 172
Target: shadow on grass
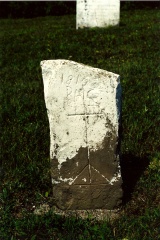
132, 169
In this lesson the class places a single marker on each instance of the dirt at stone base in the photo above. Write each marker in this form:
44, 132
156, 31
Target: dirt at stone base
97, 214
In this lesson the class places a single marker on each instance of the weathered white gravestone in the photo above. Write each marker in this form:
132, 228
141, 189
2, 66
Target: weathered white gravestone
97, 13
83, 105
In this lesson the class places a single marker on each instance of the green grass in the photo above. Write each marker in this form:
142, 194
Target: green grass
131, 50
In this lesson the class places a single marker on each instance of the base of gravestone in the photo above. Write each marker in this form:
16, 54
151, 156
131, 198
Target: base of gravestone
82, 197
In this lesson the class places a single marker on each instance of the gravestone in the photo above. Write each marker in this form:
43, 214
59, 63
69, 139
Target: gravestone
84, 107
97, 13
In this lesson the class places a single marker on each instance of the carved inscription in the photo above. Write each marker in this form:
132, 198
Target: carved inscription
81, 99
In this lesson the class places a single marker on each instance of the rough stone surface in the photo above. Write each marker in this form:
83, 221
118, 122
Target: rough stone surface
97, 13
84, 107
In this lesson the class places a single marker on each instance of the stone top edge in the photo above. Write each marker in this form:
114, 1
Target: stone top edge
66, 61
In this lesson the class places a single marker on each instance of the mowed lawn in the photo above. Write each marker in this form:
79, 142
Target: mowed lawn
130, 50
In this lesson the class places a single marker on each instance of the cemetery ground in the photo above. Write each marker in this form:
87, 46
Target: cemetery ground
130, 50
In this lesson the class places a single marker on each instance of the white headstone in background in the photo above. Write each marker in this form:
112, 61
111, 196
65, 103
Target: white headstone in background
97, 13
83, 106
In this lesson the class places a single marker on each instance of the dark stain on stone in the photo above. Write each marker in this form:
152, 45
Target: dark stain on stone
90, 190
96, 177
55, 148
72, 167
105, 160
54, 168
83, 197
54, 136
83, 178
